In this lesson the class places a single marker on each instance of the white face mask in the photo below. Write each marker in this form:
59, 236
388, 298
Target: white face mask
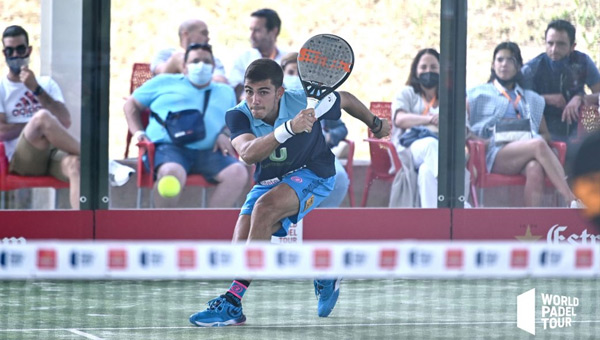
15, 63
200, 73
292, 83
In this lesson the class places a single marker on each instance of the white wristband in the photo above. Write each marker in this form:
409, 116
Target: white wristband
139, 133
283, 132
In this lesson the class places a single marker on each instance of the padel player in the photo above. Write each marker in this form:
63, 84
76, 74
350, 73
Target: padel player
294, 171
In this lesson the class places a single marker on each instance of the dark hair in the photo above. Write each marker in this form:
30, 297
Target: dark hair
271, 17
263, 69
562, 25
204, 47
516, 53
15, 31
413, 80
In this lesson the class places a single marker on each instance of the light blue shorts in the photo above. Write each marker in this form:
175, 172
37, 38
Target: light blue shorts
310, 189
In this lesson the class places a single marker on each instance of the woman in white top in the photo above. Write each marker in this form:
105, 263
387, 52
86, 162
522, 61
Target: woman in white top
502, 98
417, 105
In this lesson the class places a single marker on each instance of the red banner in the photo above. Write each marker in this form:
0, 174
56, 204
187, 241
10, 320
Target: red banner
549, 225
527, 225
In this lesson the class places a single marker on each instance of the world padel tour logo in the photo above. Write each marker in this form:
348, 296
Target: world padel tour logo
557, 311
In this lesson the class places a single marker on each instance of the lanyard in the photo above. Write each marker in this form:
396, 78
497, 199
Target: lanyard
515, 103
428, 106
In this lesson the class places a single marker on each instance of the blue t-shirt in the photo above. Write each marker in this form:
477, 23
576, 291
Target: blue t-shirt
567, 77
302, 150
173, 92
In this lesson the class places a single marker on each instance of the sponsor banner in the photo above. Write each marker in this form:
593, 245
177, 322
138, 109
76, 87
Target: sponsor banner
495, 259
524, 225
289, 260
407, 259
575, 236
18, 262
220, 260
426, 260
81, 261
143, 260
561, 260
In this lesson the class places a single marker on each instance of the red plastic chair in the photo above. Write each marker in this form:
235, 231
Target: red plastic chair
139, 75
9, 182
349, 170
482, 179
385, 162
145, 179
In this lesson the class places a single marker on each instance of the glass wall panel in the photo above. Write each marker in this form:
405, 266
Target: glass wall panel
55, 41
559, 79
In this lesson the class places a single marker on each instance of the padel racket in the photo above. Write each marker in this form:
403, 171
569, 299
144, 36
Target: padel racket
324, 63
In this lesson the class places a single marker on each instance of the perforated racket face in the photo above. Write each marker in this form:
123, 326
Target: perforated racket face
324, 63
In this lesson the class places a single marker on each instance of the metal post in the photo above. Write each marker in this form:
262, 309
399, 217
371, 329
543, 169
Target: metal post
94, 104
453, 48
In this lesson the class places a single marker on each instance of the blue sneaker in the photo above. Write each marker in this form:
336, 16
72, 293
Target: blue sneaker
327, 291
220, 312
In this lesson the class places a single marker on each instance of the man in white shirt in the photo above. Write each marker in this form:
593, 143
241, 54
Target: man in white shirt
265, 26
170, 60
34, 119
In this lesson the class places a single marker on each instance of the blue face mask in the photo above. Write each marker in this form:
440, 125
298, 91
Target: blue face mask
292, 83
200, 73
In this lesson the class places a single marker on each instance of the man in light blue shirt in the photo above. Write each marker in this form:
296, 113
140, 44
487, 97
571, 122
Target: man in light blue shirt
210, 156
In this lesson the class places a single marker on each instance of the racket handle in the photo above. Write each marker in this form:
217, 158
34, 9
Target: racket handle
311, 103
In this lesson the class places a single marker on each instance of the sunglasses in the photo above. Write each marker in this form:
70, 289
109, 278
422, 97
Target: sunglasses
21, 50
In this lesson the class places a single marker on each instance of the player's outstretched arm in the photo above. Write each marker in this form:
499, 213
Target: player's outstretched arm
252, 149
358, 110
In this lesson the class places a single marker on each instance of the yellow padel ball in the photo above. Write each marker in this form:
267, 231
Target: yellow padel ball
168, 186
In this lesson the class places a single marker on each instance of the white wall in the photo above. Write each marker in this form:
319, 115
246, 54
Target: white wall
61, 52
60, 49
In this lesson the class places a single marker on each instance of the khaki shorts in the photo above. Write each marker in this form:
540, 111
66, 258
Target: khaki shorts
30, 161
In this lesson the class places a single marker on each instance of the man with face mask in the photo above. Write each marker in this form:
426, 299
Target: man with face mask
211, 156
559, 75
34, 119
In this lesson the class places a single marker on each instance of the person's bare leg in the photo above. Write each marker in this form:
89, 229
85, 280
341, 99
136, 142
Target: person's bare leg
512, 158
270, 208
44, 129
242, 229
232, 181
554, 170
70, 166
534, 184
173, 169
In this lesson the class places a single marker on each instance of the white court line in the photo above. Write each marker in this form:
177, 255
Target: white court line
84, 334
449, 323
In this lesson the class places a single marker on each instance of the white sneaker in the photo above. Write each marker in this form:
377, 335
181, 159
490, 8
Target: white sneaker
577, 204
